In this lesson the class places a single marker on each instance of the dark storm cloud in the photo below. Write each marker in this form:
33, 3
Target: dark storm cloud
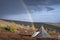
42, 2
10, 7
49, 8
36, 8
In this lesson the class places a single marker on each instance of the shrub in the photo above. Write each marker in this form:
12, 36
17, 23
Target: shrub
9, 28
12, 29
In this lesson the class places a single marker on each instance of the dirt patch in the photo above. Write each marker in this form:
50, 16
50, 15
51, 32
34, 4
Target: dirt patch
6, 35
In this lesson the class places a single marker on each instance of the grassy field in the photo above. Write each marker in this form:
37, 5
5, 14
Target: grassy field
18, 30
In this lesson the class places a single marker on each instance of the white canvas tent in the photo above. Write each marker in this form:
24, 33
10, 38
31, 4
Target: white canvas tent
41, 33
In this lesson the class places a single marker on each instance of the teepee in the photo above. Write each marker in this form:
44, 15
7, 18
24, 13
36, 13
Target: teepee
41, 33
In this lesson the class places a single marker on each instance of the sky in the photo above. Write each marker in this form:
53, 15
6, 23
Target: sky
39, 10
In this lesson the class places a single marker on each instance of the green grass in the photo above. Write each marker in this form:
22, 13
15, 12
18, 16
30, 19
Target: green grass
8, 28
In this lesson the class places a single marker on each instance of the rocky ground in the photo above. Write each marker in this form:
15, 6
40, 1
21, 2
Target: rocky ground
6, 35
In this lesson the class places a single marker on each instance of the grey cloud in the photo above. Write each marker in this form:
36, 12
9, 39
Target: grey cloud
36, 8
49, 8
42, 2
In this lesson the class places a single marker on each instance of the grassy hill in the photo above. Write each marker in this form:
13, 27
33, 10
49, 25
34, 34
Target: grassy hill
22, 33
37, 24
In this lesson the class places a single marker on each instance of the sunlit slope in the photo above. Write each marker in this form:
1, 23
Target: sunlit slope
36, 24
